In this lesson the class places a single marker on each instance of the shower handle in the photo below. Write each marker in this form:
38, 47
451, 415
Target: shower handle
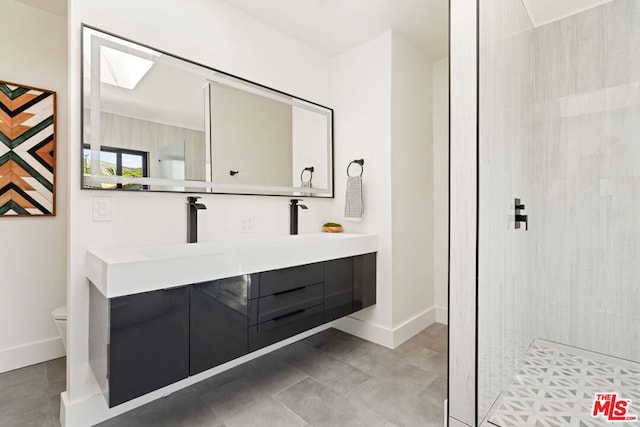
519, 217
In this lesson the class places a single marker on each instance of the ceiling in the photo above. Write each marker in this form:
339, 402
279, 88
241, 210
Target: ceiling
344, 24
335, 26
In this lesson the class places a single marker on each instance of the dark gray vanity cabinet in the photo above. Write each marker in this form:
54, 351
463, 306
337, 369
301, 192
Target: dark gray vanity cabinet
338, 288
291, 301
156, 338
364, 281
219, 320
148, 343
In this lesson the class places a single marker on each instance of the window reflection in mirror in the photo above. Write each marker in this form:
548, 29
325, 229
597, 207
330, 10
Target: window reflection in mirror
200, 130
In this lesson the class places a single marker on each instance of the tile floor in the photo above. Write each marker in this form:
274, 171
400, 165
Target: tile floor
330, 379
556, 386
31, 396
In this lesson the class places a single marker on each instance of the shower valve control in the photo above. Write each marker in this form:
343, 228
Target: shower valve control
519, 217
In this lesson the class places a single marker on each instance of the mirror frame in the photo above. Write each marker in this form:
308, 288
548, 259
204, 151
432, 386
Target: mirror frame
206, 186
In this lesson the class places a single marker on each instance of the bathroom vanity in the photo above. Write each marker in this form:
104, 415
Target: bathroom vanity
159, 315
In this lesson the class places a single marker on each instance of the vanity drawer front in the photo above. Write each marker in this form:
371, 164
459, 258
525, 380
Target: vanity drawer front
286, 302
278, 329
275, 281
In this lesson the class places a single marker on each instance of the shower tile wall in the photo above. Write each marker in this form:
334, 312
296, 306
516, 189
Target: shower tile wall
584, 157
559, 128
506, 315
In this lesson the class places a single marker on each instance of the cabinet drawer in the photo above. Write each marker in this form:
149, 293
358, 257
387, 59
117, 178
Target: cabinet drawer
286, 302
275, 281
278, 329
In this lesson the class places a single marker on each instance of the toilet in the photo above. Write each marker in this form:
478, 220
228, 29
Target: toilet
60, 317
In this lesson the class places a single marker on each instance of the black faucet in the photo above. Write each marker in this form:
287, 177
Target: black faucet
293, 216
192, 218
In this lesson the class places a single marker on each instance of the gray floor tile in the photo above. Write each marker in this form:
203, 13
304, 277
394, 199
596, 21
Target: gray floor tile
265, 412
418, 356
56, 370
433, 338
336, 343
329, 379
436, 393
392, 370
33, 373
55, 410
337, 375
240, 403
271, 374
401, 407
322, 407
26, 404
181, 409
232, 398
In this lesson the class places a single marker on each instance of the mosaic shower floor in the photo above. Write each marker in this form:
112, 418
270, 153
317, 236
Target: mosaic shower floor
556, 386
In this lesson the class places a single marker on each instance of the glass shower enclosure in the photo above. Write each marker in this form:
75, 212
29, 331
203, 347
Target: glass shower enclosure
558, 216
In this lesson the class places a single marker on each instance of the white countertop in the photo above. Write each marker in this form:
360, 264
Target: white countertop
125, 271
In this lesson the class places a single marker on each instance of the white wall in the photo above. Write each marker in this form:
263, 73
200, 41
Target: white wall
213, 33
361, 98
412, 187
32, 256
441, 187
383, 109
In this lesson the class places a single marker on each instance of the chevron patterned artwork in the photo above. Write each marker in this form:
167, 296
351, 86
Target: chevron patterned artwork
27, 150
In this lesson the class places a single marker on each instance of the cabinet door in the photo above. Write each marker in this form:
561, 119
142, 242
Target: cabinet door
149, 342
338, 288
364, 281
219, 322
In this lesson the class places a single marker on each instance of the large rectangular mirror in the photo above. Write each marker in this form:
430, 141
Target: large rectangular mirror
156, 122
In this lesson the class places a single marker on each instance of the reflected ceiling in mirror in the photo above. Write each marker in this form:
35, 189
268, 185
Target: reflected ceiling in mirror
156, 122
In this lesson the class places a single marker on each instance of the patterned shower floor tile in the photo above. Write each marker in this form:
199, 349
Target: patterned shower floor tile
556, 386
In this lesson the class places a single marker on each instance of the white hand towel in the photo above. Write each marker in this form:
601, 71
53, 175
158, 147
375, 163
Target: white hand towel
354, 204
307, 184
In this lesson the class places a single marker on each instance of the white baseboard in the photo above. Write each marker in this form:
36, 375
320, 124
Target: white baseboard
384, 336
442, 315
367, 331
30, 354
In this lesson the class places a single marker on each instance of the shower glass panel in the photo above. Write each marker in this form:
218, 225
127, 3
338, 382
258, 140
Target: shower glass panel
558, 297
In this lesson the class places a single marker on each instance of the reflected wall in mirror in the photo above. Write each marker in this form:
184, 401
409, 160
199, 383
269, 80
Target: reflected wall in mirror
156, 122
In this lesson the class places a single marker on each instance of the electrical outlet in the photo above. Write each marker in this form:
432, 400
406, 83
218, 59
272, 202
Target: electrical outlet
101, 209
247, 224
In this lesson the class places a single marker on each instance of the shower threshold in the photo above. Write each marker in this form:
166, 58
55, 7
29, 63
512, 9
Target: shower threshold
556, 386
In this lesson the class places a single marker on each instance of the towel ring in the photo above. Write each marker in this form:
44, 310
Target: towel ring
360, 162
310, 169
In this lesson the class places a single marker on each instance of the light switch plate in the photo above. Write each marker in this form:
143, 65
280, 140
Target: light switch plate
101, 209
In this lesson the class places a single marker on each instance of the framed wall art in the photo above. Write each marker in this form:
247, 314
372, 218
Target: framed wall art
27, 151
